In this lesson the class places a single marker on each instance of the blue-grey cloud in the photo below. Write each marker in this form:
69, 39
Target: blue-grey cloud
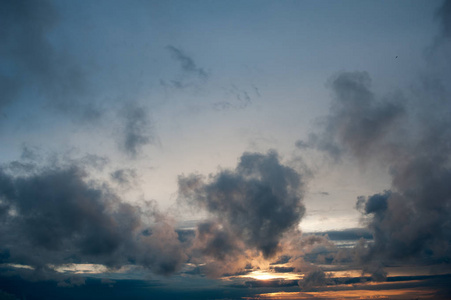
410, 137
124, 177
187, 63
55, 215
358, 120
33, 63
255, 204
444, 15
137, 129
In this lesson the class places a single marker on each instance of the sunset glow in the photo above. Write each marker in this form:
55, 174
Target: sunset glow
267, 275
352, 294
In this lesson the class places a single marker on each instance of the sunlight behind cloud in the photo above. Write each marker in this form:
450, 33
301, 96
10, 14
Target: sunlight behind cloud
267, 275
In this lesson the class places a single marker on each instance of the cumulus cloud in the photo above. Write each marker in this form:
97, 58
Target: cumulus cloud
409, 135
411, 219
56, 215
254, 204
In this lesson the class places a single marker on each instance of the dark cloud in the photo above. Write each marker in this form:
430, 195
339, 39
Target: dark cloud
93, 161
410, 136
124, 177
254, 205
358, 120
33, 63
187, 63
315, 278
444, 15
283, 269
376, 204
410, 221
346, 234
54, 216
137, 130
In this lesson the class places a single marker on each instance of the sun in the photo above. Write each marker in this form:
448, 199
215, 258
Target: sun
268, 275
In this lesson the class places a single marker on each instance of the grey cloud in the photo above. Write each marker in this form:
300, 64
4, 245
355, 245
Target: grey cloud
283, 269
410, 137
346, 234
93, 161
137, 130
315, 278
187, 63
444, 15
358, 121
377, 203
124, 177
215, 241
34, 62
255, 204
55, 216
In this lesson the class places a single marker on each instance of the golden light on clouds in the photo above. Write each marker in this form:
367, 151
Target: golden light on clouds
413, 293
268, 275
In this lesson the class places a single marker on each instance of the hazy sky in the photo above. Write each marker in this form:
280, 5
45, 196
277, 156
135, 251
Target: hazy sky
175, 137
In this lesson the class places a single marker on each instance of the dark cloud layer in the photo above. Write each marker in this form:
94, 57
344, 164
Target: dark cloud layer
255, 204
56, 215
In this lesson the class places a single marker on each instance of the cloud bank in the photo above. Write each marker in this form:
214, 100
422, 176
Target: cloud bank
56, 215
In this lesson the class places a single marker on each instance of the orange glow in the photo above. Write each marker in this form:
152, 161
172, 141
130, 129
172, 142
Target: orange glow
352, 294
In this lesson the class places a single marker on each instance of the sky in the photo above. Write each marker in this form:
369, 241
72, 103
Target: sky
225, 149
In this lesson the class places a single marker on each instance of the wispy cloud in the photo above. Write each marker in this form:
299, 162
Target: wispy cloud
186, 63
137, 129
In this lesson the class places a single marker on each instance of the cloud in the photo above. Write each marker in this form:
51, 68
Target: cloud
34, 62
444, 16
124, 177
359, 122
410, 137
187, 63
254, 205
313, 279
55, 215
136, 129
